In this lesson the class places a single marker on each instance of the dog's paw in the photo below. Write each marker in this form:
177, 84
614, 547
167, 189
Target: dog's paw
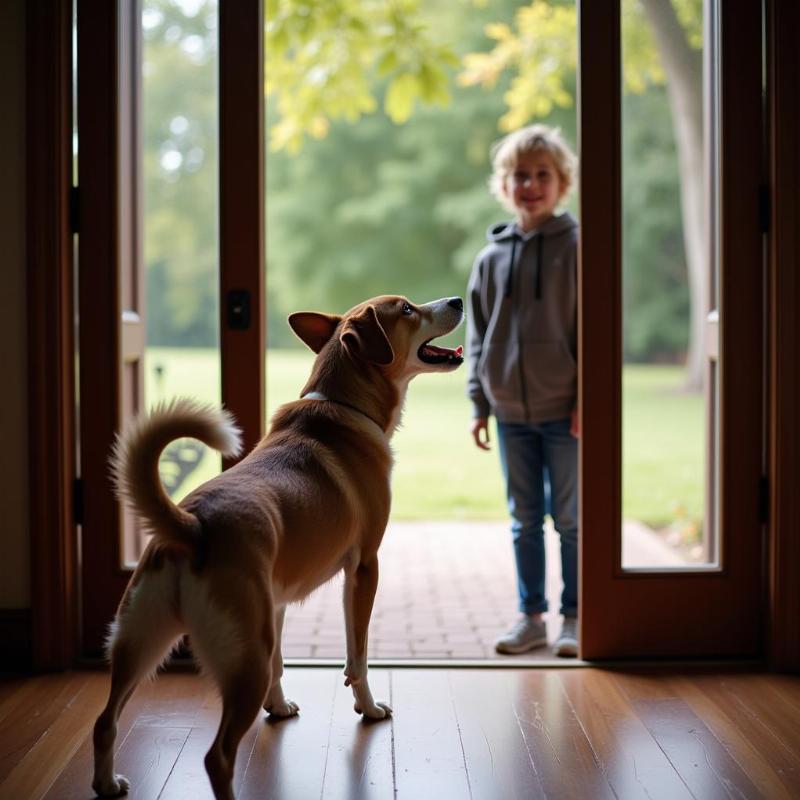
285, 708
377, 710
116, 787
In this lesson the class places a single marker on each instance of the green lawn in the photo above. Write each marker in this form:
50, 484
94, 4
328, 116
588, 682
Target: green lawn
663, 447
441, 474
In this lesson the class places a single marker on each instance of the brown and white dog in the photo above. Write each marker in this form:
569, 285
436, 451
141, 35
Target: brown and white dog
312, 498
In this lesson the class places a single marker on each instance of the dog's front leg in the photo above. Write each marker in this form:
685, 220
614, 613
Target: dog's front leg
276, 704
359, 593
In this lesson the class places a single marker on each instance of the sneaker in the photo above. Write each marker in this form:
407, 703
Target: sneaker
566, 645
526, 634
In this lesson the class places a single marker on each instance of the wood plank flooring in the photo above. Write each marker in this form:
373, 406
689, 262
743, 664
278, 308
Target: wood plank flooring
478, 734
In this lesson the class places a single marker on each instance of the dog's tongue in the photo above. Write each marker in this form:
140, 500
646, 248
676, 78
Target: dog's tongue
459, 350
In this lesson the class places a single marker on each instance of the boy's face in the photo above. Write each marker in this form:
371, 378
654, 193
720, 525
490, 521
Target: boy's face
534, 188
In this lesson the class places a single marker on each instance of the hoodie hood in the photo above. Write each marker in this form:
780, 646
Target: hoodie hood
504, 231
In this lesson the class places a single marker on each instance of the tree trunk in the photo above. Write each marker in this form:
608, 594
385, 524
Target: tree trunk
684, 69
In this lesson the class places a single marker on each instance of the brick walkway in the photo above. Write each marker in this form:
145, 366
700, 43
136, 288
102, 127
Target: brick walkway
446, 590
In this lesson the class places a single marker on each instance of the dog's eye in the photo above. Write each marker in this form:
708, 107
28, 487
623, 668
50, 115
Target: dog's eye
407, 310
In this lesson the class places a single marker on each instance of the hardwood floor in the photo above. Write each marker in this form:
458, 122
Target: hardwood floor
456, 733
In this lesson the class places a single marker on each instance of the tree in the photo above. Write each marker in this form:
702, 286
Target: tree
325, 63
179, 106
381, 207
320, 59
540, 52
678, 45
374, 206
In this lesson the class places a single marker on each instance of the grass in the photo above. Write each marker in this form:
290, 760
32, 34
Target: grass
440, 474
663, 447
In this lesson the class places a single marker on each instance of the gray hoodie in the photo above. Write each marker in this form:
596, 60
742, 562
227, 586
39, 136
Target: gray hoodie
522, 323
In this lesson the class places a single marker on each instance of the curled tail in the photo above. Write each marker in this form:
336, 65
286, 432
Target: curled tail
134, 461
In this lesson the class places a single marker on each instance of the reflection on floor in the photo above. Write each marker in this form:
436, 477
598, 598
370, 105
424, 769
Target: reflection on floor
447, 590
554, 734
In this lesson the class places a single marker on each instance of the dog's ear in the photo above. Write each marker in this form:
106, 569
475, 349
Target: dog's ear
314, 328
364, 336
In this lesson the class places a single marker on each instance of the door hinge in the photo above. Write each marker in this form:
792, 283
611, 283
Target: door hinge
763, 499
764, 208
74, 209
77, 501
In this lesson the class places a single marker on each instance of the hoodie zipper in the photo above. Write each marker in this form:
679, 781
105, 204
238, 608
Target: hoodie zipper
539, 253
520, 370
537, 296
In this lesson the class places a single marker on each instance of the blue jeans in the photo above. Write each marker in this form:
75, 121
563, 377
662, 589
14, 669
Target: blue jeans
537, 458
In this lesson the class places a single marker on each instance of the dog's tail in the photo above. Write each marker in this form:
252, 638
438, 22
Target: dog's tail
134, 461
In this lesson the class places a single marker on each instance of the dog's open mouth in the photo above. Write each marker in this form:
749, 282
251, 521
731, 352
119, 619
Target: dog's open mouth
431, 354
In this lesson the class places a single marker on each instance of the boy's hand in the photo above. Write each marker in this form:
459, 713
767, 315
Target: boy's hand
574, 424
480, 432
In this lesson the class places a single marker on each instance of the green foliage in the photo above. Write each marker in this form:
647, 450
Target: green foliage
539, 52
378, 207
320, 58
179, 103
375, 207
655, 289
371, 211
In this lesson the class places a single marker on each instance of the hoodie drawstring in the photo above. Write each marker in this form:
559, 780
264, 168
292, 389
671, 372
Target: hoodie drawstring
510, 277
539, 253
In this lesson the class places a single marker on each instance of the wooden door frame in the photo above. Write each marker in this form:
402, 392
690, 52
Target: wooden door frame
599, 390
102, 578
50, 346
103, 229
623, 613
241, 213
783, 610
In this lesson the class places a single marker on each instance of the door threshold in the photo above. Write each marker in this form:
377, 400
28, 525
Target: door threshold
447, 663
531, 663
188, 664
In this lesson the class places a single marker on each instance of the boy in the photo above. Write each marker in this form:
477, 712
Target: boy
522, 354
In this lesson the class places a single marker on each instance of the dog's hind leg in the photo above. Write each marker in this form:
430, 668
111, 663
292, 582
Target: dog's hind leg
235, 645
144, 632
243, 693
360, 585
276, 704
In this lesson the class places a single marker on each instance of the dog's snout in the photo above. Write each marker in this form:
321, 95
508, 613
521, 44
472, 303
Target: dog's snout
457, 303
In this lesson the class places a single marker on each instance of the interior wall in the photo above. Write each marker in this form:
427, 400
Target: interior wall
14, 540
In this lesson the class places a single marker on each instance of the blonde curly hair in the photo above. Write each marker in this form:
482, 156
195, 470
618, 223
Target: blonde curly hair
534, 138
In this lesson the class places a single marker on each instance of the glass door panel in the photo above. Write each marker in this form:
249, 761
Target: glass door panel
644, 608
178, 318
667, 418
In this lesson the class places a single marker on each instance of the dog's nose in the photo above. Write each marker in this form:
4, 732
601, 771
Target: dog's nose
456, 303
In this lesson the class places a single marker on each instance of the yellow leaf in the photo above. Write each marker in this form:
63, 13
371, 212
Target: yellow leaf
319, 127
497, 30
400, 97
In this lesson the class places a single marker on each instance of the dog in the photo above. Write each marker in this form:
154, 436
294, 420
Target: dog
312, 498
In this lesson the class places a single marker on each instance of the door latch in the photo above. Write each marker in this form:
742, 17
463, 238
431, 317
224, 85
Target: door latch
238, 307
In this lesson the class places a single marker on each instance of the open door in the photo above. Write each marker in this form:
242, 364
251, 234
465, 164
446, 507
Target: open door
707, 609
111, 65
711, 608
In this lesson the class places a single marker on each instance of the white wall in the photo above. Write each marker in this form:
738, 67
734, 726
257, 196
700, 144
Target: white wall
14, 539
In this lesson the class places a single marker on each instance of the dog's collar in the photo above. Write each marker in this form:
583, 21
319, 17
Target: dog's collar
320, 396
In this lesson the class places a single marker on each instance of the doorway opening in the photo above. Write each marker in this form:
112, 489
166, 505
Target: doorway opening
364, 200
